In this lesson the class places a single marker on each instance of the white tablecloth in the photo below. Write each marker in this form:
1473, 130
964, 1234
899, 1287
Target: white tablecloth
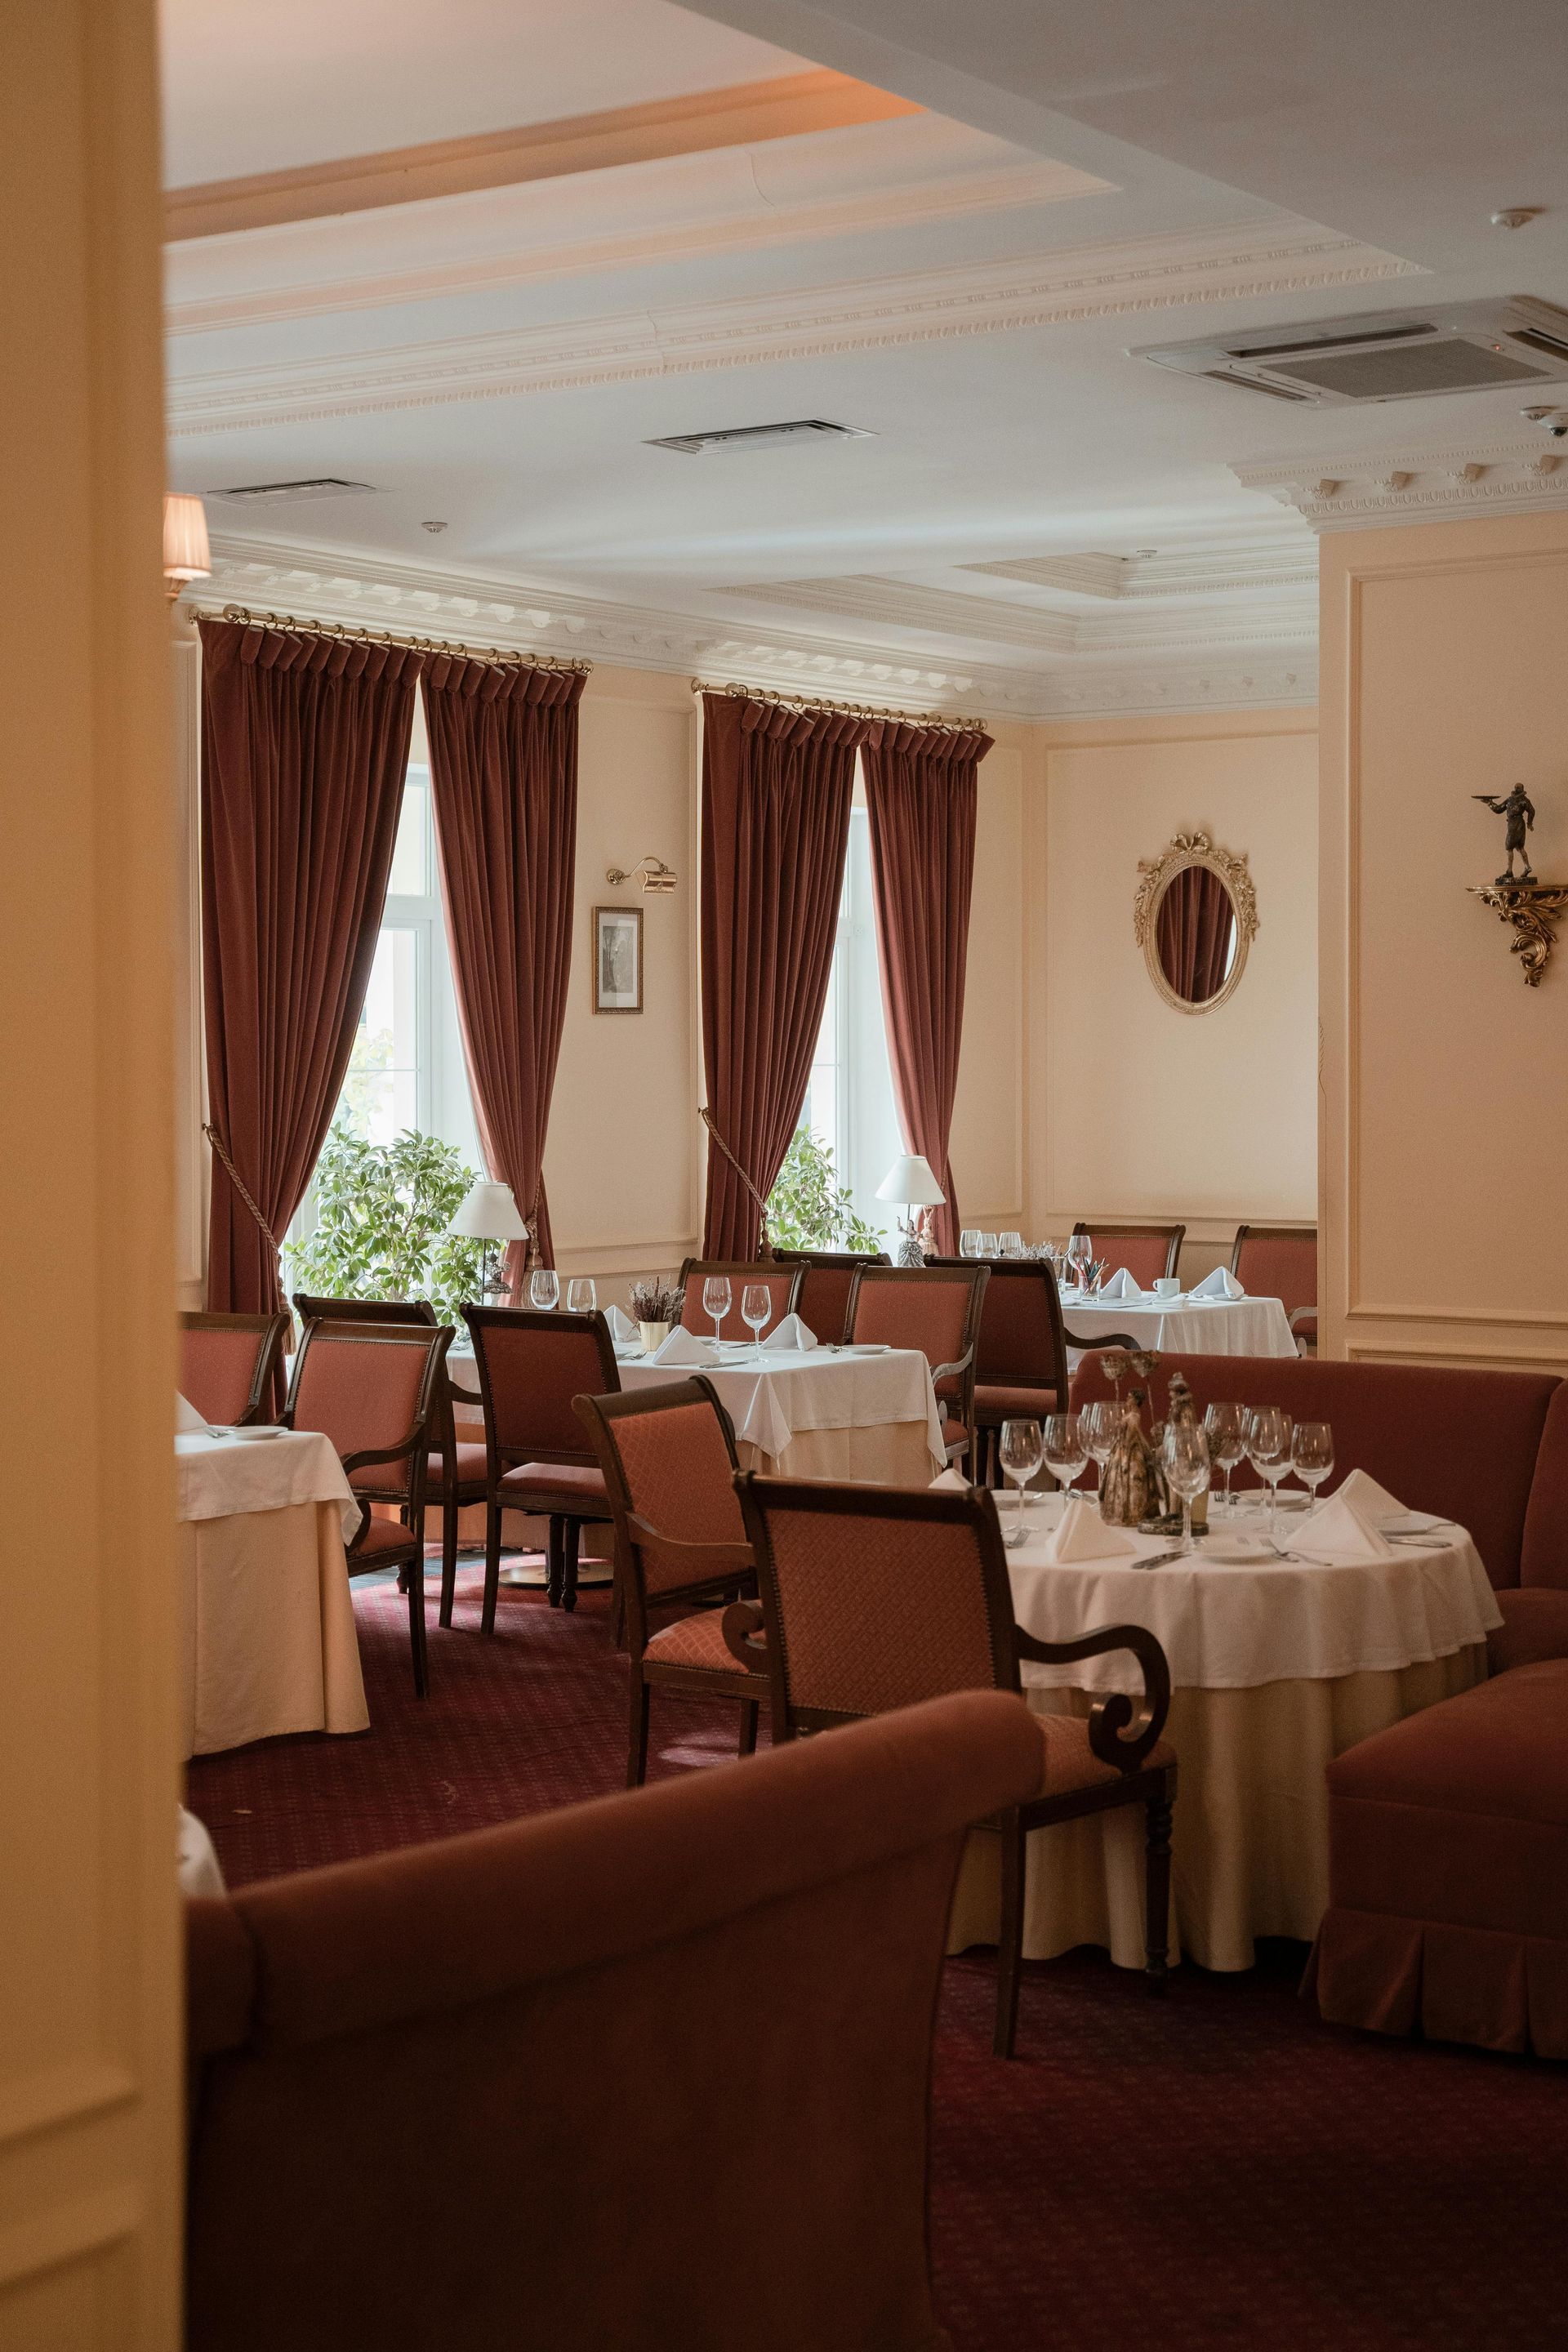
1275, 1670
217, 1476
1185, 1327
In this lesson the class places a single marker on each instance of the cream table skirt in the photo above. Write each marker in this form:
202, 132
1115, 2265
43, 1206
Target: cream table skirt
881, 1453
268, 1636
1250, 1846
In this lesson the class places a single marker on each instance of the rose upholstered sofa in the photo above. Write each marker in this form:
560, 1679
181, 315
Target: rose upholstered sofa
653, 2070
1448, 1832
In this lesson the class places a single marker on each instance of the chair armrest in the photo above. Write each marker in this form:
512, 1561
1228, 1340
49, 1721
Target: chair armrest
1534, 1626
1110, 1719
365, 1515
1101, 1339
715, 1557
742, 1628
1302, 1316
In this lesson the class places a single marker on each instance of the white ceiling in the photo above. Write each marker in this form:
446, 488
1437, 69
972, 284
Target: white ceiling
963, 285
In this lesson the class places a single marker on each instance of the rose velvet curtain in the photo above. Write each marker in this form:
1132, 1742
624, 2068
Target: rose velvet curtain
503, 780
304, 744
1194, 933
921, 795
776, 791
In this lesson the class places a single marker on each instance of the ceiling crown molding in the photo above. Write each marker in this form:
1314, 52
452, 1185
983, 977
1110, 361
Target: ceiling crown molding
913, 307
1255, 619
1507, 476
331, 584
1280, 559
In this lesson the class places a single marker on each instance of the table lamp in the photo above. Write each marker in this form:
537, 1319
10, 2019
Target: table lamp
488, 1213
910, 1180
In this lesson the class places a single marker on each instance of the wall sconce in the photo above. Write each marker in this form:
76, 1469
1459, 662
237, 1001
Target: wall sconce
186, 555
658, 880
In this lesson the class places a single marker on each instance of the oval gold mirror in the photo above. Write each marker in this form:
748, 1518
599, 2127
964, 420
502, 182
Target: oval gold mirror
1195, 917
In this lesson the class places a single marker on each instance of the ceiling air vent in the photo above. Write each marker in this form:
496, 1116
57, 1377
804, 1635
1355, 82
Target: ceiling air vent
1506, 344
274, 494
759, 437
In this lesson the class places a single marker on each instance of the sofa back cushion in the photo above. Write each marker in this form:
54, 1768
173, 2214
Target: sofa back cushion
1545, 1558
1463, 1443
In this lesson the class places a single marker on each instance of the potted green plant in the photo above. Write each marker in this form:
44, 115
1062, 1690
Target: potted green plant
810, 1207
382, 1215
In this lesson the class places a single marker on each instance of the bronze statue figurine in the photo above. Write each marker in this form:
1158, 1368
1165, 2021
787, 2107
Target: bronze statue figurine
1519, 813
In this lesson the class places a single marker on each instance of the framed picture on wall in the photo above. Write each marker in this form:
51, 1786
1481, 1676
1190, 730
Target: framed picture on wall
618, 959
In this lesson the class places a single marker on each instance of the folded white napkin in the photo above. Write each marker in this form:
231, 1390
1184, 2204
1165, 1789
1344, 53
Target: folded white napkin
1220, 1283
791, 1333
684, 1347
188, 1420
1121, 1286
1373, 1502
1340, 1530
621, 1324
951, 1482
1081, 1534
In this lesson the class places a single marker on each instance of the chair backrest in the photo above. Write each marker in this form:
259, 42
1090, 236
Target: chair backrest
508, 2003
1022, 1342
668, 1458
875, 1597
371, 1391
936, 1308
1146, 1251
827, 1277
1463, 1444
532, 1362
783, 1287
311, 1307
1278, 1261
229, 1363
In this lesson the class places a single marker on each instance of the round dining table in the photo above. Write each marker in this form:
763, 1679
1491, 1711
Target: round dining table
1276, 1666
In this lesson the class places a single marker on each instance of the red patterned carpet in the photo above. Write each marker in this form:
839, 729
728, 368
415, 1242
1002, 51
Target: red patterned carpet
1219, 2169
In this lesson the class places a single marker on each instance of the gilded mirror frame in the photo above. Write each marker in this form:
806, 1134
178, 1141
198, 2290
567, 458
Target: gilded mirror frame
1155, 875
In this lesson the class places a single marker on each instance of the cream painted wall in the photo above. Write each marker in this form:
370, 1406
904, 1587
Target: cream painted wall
1445, 1125
1138, 1111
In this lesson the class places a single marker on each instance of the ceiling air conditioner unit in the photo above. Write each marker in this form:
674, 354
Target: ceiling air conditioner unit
1507, 345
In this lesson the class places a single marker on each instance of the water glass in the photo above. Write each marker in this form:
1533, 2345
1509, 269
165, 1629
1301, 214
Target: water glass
757, 1307
1185, 1457
543, 1287
1312, 1454
1269, 1433
1011, 1243
987, 1244
1224, 1426
969, 1242
716, 1300
581, 1298
1020, 1451
1065, 1450
1099, 1423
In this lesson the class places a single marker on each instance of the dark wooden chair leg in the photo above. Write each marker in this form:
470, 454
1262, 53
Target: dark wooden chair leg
416, 1625
448, 1556
749, 1713
1010, 1937
636, 1750
617, 1615
1157, 1892
492, 1564
554, 1566
571, 1536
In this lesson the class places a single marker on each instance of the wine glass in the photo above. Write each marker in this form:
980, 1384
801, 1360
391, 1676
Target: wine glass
1312, 1454
1114, 1363
1065, 1450
1020, 1452
716, 1300
757, 1307
581, 1298
1268, 1451
1081, 1254
969, 1242
1185, 1457
1099, 1423
1224, 1425
545, 1286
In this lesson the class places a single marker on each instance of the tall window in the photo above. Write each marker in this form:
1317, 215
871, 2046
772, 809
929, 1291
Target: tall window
850, 1100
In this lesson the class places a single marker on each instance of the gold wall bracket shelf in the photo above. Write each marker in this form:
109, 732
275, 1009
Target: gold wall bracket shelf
1532, 910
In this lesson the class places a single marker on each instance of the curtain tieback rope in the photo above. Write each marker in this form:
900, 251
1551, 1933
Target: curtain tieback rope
237, 1180
706, 1116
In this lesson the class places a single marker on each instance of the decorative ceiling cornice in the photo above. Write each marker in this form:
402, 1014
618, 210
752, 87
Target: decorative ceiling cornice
1257, 617
917, 306
330, 584
1511, 475
1280, 559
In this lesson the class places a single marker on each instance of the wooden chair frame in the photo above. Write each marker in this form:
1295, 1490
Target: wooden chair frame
564, 1529
1119, 1734
977, 1274
739, 1271
1014, 1269
1172, 1236
407, 1557
455, 1494
843, 1261
719, 1571
1303, 1319
273, 1329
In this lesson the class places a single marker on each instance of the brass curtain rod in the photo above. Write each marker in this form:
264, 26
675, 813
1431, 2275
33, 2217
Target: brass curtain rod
804, 702
506, 655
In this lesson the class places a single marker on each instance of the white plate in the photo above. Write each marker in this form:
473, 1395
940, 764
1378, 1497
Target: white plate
1236, 1551
257, 1429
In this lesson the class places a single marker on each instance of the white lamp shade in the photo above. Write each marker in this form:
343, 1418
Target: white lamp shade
910, 1180
186, 555
488, 1214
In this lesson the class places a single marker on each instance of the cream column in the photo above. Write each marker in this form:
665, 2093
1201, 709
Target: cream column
90, 2042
